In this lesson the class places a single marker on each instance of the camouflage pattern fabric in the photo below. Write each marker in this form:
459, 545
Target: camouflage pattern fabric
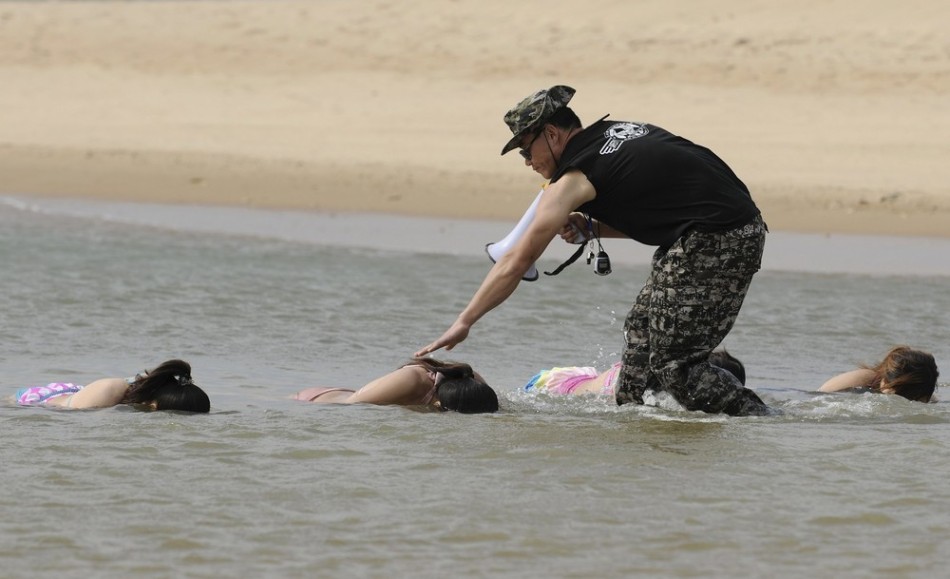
531, 112
684, 311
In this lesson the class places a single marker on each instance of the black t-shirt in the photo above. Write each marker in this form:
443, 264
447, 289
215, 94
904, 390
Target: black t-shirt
653, 185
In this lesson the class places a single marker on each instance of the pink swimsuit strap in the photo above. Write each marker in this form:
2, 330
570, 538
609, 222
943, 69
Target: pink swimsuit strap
436, 378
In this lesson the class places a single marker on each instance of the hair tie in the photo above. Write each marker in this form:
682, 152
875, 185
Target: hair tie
184, 380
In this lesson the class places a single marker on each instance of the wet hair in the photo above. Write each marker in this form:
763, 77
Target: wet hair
723, 359
909, 373
168, 387
460, 390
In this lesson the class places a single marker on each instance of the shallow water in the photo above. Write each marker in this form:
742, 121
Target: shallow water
262, 305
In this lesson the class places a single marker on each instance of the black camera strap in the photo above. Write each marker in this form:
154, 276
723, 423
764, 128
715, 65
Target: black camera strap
591, 237
569, 261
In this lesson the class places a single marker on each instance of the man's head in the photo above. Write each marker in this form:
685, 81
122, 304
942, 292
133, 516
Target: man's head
530, 114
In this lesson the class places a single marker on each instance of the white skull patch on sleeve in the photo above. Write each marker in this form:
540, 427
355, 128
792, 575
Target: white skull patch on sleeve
619, 133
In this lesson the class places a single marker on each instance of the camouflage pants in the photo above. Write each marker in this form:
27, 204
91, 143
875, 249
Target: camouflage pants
684, 311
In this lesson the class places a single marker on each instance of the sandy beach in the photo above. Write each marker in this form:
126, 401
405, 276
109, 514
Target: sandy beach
835, 116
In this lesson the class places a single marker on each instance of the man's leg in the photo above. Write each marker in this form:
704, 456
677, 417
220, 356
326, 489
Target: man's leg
635, 375
698, 289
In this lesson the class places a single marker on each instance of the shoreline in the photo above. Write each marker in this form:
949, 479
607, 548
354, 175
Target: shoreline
814, 253
186, 178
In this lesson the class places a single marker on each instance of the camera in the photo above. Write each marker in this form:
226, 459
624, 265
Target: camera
602, 263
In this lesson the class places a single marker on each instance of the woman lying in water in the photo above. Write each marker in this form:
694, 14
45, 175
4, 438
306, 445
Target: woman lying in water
586, 380
167, 387
903, 371
421, 382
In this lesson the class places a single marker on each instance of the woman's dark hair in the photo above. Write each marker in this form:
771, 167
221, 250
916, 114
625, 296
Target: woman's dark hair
168, 387
728, 362
909, 373
460, 389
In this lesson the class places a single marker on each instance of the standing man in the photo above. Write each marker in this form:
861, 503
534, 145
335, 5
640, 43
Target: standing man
635, 180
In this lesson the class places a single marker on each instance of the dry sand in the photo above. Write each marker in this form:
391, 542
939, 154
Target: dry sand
835, 113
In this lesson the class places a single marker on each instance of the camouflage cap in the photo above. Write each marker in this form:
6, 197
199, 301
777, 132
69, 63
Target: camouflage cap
533, 111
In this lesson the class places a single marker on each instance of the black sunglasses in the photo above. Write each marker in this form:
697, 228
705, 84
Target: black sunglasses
526, 151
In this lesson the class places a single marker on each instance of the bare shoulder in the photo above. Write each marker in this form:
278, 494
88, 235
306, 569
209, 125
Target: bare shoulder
412, 372
399, 386
848, 380
100, 394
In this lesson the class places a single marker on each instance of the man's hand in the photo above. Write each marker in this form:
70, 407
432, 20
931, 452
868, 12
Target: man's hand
457, 333
575, 229
553, 214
